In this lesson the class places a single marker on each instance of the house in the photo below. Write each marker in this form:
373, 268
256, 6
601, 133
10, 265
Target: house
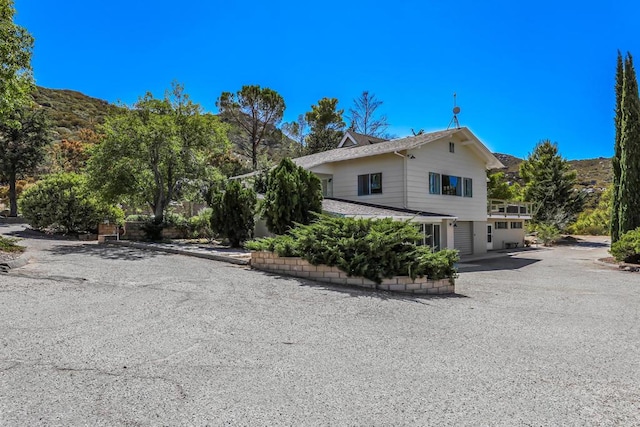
436, 179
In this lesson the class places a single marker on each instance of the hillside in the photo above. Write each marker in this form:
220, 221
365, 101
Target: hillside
69, 111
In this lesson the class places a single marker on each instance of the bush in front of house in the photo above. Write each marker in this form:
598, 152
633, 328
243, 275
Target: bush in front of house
233, 213
374, 249
63, 203
547, 233
293, 196
627, 249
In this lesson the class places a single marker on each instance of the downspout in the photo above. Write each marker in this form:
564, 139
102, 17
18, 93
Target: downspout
404, 181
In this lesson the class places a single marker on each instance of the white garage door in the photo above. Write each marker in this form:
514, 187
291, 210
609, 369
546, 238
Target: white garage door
463, 237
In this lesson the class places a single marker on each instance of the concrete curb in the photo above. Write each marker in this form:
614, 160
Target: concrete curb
21, 261
144, 246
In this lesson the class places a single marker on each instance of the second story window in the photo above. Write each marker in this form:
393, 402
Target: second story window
452, 147
434, 183
451, 185
370, 183
468, 187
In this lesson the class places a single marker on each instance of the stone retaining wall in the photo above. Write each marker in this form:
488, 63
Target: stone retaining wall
133, 230
299, 267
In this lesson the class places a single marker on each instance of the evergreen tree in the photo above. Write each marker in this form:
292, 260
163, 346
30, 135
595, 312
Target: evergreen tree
629, 190
549, 184
256, 110
293, 194
326, 125
23, 139
615, 210
233, 213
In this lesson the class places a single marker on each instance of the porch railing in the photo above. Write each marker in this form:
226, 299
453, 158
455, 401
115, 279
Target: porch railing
509, 208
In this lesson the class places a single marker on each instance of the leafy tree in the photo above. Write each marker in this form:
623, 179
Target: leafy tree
23, 139
615, 162
498, 188
596, 221
326, 125
153, 150
257, 110
16, 82
233, 214
363, 116
293, 195
629, 190
627, 248
63, 202
549, 184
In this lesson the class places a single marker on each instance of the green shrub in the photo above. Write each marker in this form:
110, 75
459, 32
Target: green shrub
200, 224
138, 218
374, 249
9, 245
172, 219
63, 203
547, 233
627, 249
233, 213
292, 197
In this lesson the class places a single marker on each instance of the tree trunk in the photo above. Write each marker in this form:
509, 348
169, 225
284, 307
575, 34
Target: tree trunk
13, 197
254, 153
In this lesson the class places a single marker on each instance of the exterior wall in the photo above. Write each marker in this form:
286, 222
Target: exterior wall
464, 162
479, 237
345, 179
298, 267
511, 235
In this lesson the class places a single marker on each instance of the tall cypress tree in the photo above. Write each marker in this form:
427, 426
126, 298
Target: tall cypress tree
629, 190
615, 209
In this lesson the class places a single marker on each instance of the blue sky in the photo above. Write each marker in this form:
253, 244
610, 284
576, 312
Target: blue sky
523, 71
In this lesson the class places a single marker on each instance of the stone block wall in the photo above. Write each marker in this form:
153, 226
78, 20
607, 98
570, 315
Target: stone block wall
298, 267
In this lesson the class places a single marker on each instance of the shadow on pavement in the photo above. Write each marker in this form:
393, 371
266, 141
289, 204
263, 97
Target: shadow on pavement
27, 233
502, 263
356, 292
106, 251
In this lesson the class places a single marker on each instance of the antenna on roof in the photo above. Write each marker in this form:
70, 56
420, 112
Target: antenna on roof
456, 110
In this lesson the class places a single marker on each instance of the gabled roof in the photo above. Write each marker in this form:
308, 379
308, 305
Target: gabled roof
394, 145
361, 209
359, 139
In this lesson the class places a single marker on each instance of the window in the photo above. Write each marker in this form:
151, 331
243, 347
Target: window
434, 183
430, 235
451, 185
370, 184
516, 224
468, 187
452, 147
502, 225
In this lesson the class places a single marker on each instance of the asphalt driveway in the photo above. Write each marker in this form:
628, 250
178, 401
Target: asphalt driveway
102, 335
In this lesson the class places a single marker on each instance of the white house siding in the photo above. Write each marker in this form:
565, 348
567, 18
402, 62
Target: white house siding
479, 237
503, 236
345, 179
464, 162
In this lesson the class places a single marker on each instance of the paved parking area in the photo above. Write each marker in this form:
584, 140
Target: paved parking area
104, 335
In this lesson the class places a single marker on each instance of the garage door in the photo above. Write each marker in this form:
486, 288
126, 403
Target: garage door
463, 237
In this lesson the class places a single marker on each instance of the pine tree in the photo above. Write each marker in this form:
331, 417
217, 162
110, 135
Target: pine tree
233, 213
549, 184
629, 190
615, 209
292, 195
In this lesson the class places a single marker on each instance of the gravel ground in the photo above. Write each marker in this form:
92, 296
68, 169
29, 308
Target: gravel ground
104, 335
